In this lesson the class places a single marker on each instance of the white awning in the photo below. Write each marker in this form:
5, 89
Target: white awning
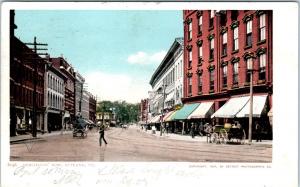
170, 97
67, 114
204, 110
259, 107
231, 107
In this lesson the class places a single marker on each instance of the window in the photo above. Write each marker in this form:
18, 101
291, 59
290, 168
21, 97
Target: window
190, 59
223, 19
190, 31
249, 33
249, 67
235, 73
211, 51
262, 67
189, 85
211, 19
262, 27
234, 15
224, 45
200, 25
211, 81
199, 83
200, 52
235, 39
224, 69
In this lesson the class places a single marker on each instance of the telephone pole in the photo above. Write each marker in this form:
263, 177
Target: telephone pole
35, 60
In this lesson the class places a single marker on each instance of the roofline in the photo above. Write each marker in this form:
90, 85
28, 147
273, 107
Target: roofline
164, 62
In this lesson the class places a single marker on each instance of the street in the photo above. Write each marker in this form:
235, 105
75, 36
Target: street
134, 145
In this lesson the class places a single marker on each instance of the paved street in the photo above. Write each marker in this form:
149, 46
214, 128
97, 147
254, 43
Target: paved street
135, 145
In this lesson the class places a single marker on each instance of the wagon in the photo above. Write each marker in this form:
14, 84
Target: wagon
227, 134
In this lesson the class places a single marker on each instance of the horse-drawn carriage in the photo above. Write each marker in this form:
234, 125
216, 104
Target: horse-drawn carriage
80, 128
226, 133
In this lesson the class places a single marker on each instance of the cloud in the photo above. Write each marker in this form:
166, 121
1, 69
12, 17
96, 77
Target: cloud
115, 87
144, 58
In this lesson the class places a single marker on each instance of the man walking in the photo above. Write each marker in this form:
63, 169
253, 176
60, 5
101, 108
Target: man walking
101, 132
193, 130
258, 130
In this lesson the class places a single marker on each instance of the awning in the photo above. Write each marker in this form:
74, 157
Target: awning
170, 97
259, 107
270, 113
169, 118
204, 110
155, 119
231, 107
167, 115
67, 114
185, 111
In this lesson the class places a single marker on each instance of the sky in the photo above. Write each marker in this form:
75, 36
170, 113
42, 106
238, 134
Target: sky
116, 51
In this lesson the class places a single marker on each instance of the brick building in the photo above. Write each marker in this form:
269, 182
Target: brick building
92, 107
22, 88
219, 49
68, 71
144, 111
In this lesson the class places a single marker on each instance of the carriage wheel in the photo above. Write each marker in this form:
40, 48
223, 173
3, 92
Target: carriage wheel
223, 136
214, 137
243, 139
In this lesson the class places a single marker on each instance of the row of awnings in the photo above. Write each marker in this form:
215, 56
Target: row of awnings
238, 107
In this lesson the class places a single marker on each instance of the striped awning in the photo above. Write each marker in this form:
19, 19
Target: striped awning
167, 115
185, 111
259, 107
204, 110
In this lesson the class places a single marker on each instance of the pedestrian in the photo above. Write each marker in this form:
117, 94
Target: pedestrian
101, 132
258, 130
193, 130
167, 127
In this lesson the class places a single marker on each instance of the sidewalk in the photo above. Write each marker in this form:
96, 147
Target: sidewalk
188, 137
40, 136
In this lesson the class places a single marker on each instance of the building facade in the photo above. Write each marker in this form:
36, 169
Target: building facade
144, 111
167, 80
68, 71
85, 105
222, 49
79, 82
92, 107
54, 99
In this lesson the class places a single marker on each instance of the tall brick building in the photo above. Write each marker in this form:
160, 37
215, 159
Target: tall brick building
220, 46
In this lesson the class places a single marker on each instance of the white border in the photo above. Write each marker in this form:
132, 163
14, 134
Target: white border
283, 171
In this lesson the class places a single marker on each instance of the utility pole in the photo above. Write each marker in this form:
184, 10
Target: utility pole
251, 108
35, 75
162, 111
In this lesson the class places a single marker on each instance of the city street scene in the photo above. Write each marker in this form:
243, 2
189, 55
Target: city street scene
141, 86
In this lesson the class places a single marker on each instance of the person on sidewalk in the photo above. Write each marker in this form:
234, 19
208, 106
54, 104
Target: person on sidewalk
193, 130
101, 132
258, 130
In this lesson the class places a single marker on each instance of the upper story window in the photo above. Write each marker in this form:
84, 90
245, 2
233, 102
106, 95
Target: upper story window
223, 19
190, 31
211, 18
224, 71
190, 59
211, 49
235, 73
249, 33
262, 27
200, 25
189, 85
262, 67
249, 68
199, 83
200, 52
224, 45
235, 39
211, 81
234, 15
